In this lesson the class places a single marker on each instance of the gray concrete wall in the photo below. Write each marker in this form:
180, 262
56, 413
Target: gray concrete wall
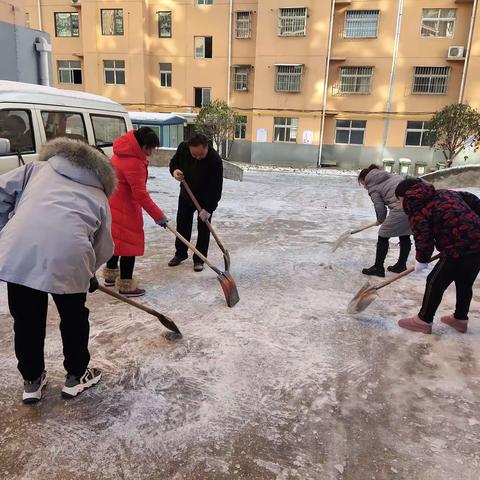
19, 60
241, 151
285, 155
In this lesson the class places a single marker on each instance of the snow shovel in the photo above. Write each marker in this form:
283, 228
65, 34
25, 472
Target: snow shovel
226, 280
165, 321
346, 235
368, 293
226, 255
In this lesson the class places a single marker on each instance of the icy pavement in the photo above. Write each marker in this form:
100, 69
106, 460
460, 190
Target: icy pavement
284, 386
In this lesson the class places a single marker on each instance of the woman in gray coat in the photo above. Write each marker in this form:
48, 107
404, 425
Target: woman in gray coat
54, 234
390, 215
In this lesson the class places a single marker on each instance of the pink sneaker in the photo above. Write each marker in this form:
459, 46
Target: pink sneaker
458, 325
415, 325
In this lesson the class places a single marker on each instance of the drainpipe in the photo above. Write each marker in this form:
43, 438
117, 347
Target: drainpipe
43, 48
467, 56
39, 9
325, 87
393, 74
229, 73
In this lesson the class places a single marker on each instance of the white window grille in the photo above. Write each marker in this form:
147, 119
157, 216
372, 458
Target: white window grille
361, 24
240, 127
285, 129
431, 80
439, 22
416, 135
292, 22
241, 78
114, 71
350, 132
289, 78
356, 80
243, 24
69, 71
165, 74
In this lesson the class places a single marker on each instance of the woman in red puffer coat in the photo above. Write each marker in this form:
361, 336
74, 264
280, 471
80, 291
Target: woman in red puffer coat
130, 160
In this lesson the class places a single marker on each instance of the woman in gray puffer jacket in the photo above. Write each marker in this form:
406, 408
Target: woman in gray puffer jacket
390, 215
54, 234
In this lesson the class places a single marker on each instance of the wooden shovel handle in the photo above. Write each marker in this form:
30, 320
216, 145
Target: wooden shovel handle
122, 298
408, 271
361, 229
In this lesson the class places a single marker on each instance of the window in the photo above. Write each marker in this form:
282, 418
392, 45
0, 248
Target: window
204, 2
164, 24
16, 126
417, 134
107, 129
292, 22
27, 19
243, 24
240, 127
361, 24
350, 132
202, 96
241, 78
165, 74
69, 71
64, 124
114, 72
112, 21
431, 80
289, 78
438, 22
66, 25
203, 47
285, 129
172, 136
356, 79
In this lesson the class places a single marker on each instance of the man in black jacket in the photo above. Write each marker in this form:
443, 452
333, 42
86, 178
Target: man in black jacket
201, 167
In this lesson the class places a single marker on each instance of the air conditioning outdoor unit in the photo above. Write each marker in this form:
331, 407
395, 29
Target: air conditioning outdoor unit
456, 52
76, 3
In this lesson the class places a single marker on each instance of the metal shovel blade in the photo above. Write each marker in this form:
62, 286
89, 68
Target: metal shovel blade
362, 299
229, 288
341, 239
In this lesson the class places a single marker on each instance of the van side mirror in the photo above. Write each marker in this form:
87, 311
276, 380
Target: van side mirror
4, 145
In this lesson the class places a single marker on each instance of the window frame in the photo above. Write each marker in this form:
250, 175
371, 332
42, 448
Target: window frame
356, 77
241, 78
350, 129
285, 127
422, 132
159, 13
114, 34
438, 20
248, 22
289, 78
32, 132
66, 112
203, 104
114, 70
204, 2
283, 22
360, 20
71, 28
206, 40
166, 73
92, 115
241, 126
431, 76
70, 70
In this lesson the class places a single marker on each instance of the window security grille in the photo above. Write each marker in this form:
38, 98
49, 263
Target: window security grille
289, 78
431, 80
292, 22
243, 25
241, 78
356, 80
361, 24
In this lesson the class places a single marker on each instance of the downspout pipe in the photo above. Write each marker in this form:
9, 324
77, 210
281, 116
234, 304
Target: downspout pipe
467, 56
229, 72
43, 48
39, 9
325, 86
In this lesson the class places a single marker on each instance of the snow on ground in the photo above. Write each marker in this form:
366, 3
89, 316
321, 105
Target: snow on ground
283, 386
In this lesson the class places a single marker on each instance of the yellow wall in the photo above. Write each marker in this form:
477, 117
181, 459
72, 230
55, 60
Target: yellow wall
13, 11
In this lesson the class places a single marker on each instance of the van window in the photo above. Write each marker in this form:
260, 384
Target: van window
107, 129
64, 124
16, 126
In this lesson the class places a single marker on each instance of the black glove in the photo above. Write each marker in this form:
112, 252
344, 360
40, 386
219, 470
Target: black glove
93, 284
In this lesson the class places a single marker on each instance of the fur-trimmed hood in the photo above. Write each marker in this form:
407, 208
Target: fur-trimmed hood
83, 163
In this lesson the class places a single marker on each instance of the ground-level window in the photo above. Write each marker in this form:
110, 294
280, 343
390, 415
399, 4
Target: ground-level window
285, 129
66, 24
165, 74
69, 71
64, 124
431, 80
112, 21
417, 134
107, 129
350, 132
240, 127
114, 71
16, 127
202, 96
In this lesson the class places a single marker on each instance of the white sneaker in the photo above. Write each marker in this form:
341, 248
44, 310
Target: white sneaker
76, 385
32, 391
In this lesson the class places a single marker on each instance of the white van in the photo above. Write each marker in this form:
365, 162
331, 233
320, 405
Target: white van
31, 115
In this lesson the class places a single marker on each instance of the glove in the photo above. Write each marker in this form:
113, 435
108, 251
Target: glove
204, 215
93, 284
162, 221
178, 175
419, 266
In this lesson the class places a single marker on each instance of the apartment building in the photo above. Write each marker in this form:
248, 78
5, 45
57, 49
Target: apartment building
346, 82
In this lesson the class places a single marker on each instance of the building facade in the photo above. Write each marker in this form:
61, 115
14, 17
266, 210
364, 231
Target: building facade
315, 83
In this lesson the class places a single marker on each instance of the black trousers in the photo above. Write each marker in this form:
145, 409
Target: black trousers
382, 250
28, 308
185, 212
463, 271
127, 264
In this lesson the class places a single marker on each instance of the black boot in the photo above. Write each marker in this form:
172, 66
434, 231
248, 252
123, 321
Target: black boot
378, 269
405, 247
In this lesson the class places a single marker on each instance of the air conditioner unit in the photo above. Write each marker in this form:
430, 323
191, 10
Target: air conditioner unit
456, 52
76, 3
